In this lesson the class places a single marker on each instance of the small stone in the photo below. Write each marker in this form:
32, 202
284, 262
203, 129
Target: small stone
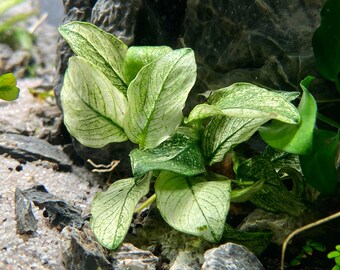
230, 256
127, 256
185, 261
26, 221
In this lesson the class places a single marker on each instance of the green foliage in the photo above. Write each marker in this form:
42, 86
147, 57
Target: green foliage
10, 33
326, 42
335, 254
297, 139
319, 165
307, 250
112, 93
8, 89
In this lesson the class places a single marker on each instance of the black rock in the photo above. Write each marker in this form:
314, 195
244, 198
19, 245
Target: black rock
117, 17
26, 221
230, 256
31, 149
59, 212
80, 251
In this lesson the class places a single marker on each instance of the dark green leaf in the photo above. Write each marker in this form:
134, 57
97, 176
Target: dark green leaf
292, 138
319, 165
180, 154
8, 89
255, 241
274, 196
326, 42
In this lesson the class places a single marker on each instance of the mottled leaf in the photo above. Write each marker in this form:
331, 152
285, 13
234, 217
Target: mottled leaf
113, 209
157, 96
93, 107
180, 154
102, 49
246, 100
274, 195
223, 133
193, 205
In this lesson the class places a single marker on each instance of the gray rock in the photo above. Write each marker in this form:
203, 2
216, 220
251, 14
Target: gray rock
26, 221
230, 256
31, 148
185, 261
59, 212
280, 224
80, 251
117, 17
129, 257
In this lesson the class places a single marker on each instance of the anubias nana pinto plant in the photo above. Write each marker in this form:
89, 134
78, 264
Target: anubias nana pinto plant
115, 93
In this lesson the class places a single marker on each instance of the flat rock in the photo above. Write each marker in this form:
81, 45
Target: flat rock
31, 149
26, 221
230, 256
59, 212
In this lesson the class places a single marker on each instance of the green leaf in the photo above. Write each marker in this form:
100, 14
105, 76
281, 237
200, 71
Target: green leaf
8, 89
193, 205
254, 241
157, 96
139, 56
333, 254
113, 209
246, 100
102, 49
281, 159
180, 154
319, 166
93, 107
223, 133
296, 139
274, 196
245, 194
326, 42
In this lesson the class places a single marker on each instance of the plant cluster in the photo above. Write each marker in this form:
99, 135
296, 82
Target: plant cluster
308, 250
335, 254
113, 93
10, 33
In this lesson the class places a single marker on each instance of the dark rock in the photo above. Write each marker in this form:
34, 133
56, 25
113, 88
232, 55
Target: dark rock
117, 17
230, 256
128, 256
26, 221
31, 149
59, 212
263, 42
80, 251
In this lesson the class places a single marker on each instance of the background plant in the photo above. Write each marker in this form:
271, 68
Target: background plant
10, 33
8, 89
335, 254
113, 93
